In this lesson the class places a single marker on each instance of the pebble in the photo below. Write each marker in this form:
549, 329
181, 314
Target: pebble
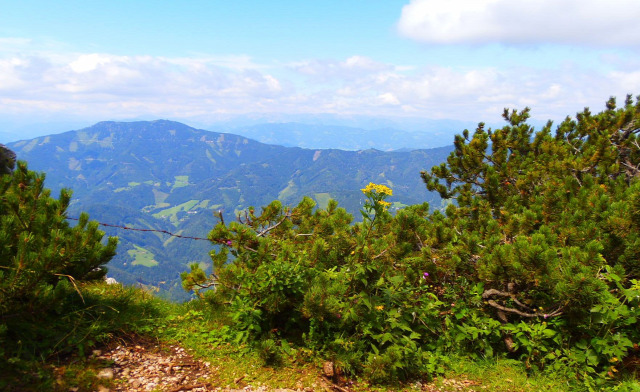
106, 373
139, 368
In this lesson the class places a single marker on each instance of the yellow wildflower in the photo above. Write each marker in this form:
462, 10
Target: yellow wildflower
378, 188
384, 190
368, 188
384, 204
379, 307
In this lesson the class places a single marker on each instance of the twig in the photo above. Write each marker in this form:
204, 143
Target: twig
419, 240
268, 229
73, 282
380, 254
332, 385
493, 292
211, 283
250, 249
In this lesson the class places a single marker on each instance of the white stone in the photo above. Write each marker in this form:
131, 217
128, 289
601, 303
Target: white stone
106, 373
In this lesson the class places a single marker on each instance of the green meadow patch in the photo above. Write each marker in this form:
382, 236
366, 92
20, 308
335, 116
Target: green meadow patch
130, 186
322, 199
142, 256
181, 181
288, 191
172, 213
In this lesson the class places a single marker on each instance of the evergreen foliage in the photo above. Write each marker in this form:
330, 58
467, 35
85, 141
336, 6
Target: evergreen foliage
43, 262
147, 174
536, 258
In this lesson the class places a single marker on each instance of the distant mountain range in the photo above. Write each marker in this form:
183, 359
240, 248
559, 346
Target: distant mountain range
165, 175
341, 137
345, 132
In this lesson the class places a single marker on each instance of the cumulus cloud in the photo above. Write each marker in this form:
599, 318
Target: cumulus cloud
350, 68
476, 94
582, 22
105, 86
100, 83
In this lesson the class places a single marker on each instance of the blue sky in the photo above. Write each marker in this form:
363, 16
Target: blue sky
202, 61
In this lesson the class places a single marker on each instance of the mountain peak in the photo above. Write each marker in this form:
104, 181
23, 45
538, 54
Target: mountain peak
140, 124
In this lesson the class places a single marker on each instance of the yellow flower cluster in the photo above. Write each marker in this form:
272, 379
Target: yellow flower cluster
378, 188
383, 203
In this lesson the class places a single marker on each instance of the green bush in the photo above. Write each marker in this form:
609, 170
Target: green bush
535, 258
549, 225
43, 265
357, 292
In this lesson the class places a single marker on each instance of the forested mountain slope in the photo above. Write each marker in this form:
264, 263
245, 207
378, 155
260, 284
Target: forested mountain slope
165, 175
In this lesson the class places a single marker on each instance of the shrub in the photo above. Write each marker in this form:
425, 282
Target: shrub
43, 263
540, 240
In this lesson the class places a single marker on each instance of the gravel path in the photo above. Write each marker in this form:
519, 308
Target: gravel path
145, 366
139, 367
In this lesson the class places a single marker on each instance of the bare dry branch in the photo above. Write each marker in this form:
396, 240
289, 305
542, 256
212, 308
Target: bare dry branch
380, 254
488, 294
419, 240
268, 229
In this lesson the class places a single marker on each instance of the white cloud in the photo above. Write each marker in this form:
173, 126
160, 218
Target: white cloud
236, 62
89, 62
351, 68
475, 94
629, 80
583, 22
105, 86
388, 99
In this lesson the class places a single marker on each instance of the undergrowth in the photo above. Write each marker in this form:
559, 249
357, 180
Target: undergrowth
111, 313
208, 333
34, 347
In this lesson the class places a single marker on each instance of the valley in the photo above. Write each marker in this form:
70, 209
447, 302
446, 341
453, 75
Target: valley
167, 176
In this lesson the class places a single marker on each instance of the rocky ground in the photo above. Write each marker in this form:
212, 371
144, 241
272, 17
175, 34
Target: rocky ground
144, 366
147, 366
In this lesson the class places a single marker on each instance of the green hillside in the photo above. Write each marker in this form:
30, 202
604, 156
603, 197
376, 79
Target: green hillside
164, 175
